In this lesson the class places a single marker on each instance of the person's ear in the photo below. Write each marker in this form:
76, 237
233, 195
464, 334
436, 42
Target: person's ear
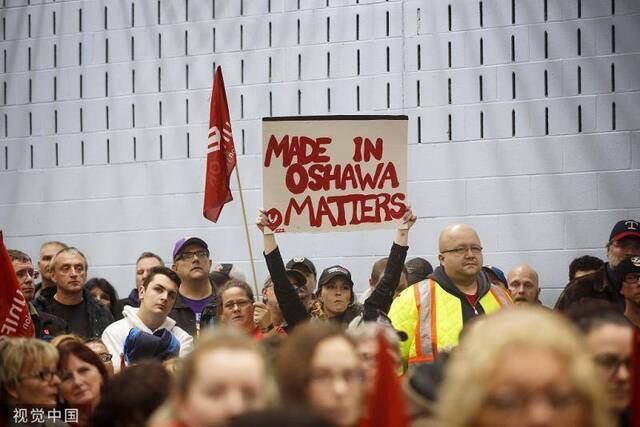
141, 292
11, 389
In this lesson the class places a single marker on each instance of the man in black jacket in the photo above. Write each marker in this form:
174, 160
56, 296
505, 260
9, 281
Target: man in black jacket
606, 283
69, 299
46, 325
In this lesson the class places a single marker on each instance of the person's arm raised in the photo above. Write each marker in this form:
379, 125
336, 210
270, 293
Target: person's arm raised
293, 309
382, 296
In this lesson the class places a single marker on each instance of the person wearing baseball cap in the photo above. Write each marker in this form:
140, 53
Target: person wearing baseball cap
606, 283
335, 294
629, 269
195, 306
306, 267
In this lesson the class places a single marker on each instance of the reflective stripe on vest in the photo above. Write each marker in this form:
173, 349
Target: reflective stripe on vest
440, 317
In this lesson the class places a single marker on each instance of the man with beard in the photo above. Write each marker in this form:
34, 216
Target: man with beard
46, 325
433, 312
606, 283
195, 306
523, 285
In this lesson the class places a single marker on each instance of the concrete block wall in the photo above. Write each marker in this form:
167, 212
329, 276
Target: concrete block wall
523, 120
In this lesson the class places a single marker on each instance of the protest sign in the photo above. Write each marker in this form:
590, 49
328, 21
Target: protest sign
334, 173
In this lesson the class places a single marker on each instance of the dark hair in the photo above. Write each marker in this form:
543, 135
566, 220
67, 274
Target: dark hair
165, 271
586, 262
144, 255
233, 283
16, 255
594, 314
293, 364
107, 288
378, 270
132, 395
84, 353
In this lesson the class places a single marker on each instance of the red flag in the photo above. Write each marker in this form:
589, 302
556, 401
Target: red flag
15, 319
386, 405
635, 379
221, 154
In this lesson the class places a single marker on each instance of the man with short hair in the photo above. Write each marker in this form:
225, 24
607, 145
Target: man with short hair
195, 306
47, 251
433, 312
524, 285
418, 269
69, 299
583, 266
46, 325
146, 261
157, 295
606, 283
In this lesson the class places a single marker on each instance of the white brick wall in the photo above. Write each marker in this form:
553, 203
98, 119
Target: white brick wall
545, 195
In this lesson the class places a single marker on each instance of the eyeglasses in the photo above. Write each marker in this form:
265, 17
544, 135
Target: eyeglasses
325, 378
105, 357
240, 303
515, 402
186, 256
21, 274
632, 278
611, 363
66, 269
44, 375
475, 249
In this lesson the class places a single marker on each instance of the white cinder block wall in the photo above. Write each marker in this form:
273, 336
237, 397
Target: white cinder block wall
523, 120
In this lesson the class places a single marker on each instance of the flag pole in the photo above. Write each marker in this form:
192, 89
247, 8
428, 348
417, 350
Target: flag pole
246, 232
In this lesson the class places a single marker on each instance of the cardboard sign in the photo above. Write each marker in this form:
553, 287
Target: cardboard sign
334, 173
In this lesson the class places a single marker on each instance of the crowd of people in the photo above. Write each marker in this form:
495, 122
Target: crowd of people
193, 346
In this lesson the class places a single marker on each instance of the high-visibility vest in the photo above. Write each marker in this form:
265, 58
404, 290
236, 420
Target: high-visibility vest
440, 317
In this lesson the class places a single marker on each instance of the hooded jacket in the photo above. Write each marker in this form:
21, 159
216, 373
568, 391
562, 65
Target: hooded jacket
99, 316
116, 334
418, 300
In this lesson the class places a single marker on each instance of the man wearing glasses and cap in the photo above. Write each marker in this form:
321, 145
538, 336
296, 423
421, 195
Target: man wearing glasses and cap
606, 283
195, 306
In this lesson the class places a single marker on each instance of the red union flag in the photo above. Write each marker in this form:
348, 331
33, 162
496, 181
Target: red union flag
221, 154
15, 320
386, 404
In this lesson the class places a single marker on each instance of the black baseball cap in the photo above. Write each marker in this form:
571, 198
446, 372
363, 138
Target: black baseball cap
625, 228
300, 260
332, 272
629, 265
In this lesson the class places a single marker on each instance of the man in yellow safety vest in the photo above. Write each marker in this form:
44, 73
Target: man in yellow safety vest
433, 312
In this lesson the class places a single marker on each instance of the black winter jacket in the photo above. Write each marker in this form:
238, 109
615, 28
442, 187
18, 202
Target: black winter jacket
99, 316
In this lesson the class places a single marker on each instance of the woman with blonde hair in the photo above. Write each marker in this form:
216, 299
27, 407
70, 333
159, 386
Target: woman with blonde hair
28, 374
525, 367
